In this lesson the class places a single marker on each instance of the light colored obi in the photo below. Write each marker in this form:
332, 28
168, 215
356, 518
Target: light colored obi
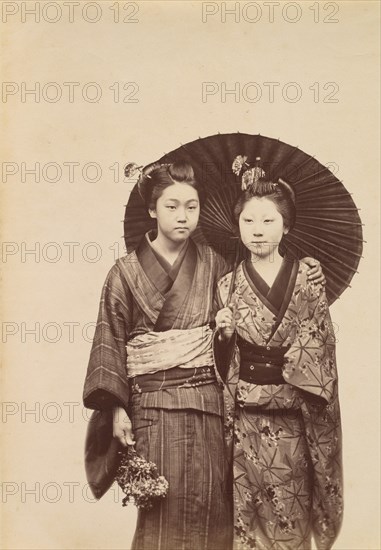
156, 351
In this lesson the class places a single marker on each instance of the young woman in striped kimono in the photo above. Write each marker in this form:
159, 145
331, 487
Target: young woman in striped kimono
281, 386
152, 362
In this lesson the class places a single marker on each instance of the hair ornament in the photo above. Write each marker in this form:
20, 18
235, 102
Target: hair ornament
238, 164
250, 176
131, 168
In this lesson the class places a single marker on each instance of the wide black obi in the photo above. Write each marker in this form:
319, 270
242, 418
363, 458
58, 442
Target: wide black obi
261, 365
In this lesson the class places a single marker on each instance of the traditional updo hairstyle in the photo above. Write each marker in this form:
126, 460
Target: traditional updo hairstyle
157, 177
280, 193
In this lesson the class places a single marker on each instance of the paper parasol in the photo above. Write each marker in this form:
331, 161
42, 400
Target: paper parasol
327, 227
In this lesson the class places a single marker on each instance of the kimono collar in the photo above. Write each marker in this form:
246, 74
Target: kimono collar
174, 285
171, 269
276, 298
161, 273
272, 296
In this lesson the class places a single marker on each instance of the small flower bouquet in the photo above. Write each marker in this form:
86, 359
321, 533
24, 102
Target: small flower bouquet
140, 480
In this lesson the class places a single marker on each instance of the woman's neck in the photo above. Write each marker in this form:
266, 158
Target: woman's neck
268, 266
167, 248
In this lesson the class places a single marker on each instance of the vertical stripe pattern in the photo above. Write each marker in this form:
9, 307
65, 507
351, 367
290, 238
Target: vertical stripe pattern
188, 448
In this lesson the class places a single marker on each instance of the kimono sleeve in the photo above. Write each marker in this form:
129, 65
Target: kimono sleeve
324, 438
106, 382
310, 363
311, 366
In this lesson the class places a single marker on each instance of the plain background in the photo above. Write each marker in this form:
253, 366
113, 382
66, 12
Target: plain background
169, 53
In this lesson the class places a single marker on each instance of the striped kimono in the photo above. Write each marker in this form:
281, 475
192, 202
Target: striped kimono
149, 311
286, 436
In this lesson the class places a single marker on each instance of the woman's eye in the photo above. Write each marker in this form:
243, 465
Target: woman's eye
247, 220
268, 221
191, 207
171, 207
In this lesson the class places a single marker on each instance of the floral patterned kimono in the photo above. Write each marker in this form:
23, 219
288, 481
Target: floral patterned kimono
152, 355
282, 411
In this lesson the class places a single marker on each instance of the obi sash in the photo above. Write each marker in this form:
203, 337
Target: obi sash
261, 365
158, 351
173, 378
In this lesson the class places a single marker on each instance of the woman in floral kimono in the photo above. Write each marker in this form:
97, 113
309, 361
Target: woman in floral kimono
152, 362
281, 386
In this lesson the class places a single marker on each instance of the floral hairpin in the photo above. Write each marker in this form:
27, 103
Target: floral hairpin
132, 168
251, 175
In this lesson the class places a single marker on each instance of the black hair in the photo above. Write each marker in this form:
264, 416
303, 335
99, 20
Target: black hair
157, 177
280, 193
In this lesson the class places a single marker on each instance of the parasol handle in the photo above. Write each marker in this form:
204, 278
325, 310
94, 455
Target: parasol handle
232, 281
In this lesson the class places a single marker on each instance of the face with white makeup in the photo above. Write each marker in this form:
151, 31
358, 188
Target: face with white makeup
265, 214
261, 227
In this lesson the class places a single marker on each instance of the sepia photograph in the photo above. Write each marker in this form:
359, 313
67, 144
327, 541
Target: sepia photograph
190, 305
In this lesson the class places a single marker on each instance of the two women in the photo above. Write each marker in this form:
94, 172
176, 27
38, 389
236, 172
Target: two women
152, 363
281, 386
